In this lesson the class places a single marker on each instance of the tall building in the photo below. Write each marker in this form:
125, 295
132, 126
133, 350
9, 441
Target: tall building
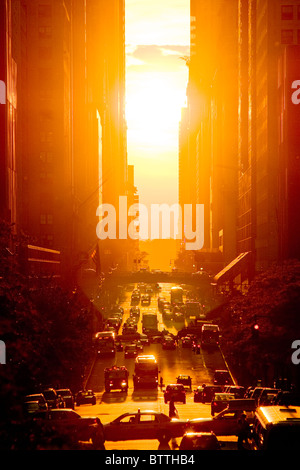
111, 27
266, 31
209, 170
9, 40
63, 130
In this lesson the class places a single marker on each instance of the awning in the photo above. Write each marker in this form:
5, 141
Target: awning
239, 265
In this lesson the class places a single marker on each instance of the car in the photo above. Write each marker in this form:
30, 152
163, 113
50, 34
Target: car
256, 393
167, 314
69, 423
37, 397
185, 380
131, 350
199, 441
117, 315
144, 339
266, 396
30, 407
145, 425
225, 423
220, 402
134, 312
198, 394
238, 390
205, 393
145, 299
67, 396
175, 392
85, 397
222, 377
139, 345
113, 322
119, 346
160, 302
135, 299
51, 398
178, 316
186, 342
168, 343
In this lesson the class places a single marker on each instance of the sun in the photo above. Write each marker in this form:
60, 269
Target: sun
153, 109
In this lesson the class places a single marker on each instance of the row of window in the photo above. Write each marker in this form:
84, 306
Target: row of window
290, 12
287, 36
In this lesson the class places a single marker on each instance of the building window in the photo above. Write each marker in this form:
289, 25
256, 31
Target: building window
286, 12
287, 36
45, 32
46, 219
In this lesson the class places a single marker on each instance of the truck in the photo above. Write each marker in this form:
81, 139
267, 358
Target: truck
145, 372
176, 296
149, 323
210, 336
192, 309
116, 378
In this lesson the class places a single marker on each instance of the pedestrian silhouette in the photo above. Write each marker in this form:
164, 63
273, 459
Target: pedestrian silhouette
172, 409
161, 383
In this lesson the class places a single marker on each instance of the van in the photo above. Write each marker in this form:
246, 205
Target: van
276, 428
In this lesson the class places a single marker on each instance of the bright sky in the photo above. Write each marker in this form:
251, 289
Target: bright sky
157, 38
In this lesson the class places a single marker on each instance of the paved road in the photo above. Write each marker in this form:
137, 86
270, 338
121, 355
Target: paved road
171, 363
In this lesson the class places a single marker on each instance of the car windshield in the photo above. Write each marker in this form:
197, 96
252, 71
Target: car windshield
224, 396
175, 388
184, 380
49, 394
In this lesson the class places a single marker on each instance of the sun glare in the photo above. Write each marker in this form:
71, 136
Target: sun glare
153, 109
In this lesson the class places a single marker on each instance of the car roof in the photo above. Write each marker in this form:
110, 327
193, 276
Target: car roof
143, 412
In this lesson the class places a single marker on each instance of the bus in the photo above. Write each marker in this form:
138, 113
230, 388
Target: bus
105, 343
176, 295
210, 336
149, 323
145, 372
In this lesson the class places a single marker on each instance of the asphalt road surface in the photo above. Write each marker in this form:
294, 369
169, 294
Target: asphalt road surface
171, 363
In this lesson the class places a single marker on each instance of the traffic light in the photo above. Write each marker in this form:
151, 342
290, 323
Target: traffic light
255, 330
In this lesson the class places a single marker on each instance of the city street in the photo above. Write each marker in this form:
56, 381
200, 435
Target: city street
171, 363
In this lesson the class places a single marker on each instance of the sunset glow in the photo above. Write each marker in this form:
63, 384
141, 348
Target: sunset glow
156, 80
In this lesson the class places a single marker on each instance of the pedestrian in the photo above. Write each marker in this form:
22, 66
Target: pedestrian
172, 409
161, 382
243, 433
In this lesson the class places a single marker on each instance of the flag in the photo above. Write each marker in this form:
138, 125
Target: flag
96, 258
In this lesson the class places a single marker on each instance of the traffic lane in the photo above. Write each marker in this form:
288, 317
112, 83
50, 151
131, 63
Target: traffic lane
107, 412
171, 364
